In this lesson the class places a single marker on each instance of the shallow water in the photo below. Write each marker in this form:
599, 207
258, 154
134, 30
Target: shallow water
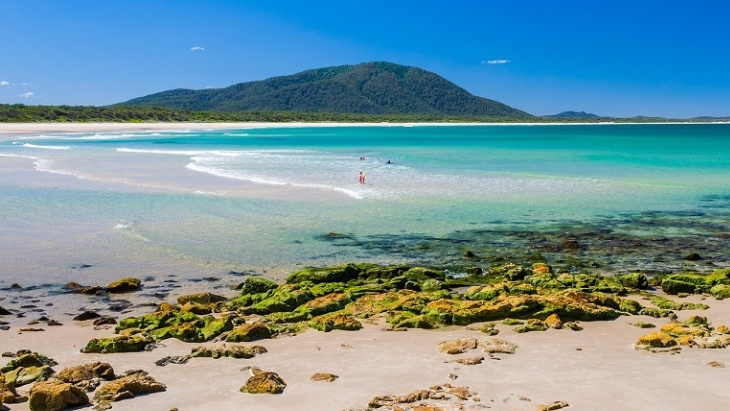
208, 202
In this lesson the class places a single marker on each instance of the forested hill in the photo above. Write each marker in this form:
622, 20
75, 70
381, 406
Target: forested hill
368, 88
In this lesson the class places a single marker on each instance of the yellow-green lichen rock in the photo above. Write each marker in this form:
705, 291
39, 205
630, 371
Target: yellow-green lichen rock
55, 396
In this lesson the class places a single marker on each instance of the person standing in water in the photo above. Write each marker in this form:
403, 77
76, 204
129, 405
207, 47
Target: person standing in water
362, 178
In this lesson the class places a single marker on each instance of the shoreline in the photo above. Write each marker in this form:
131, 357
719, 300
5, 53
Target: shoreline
33, 128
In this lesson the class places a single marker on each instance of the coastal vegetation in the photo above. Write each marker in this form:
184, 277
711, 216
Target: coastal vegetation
20, 113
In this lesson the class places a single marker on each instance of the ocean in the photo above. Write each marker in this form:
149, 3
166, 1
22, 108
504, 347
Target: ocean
205, 204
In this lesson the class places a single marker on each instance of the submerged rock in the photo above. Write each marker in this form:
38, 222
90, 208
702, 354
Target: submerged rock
324, 376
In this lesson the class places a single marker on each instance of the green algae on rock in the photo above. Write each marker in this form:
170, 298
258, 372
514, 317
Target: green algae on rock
120, 343
335, 321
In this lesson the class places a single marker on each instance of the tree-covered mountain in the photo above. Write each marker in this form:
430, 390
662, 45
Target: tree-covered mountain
368, 88
573, 114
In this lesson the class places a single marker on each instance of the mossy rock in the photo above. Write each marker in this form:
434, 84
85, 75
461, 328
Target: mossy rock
405, 319
400, 300
630, 306
674, 286
720, 291
264, 382
721, 276
655, 340
554, 321
335, 321
156, 320
248, 332
642, 324
667, 304
571, 305
532, 324
55, 396
29, 359
200, 298
233, 351
634, 280
421, 274
116, 344
26, 375
512, 321
128, 387
341, 273
256, 285
487, 292
541, 268
125, 285
432, 285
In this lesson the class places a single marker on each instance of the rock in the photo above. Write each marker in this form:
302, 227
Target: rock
634, 280
200, 298
720, 291
7, 391
178, 359
335, 321
25, 358
553, 406
25, 375
692, 257
716, 364
121, 343
87, 315
132, 384
264, 382
93, 290
104, 321
541, 268
458, 346
533, 324
498, 346
553, 321
4, 311
248, 332
469, 361
124, 285
234, 351
55, 396
88, 371
256, 285
324, 376
655, 340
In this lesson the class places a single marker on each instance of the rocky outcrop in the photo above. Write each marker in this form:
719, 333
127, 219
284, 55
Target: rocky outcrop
55, 396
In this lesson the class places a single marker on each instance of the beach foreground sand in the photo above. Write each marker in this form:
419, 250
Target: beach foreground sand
593, 369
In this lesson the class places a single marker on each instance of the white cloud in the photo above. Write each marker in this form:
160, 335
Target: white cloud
496, 61
26, 95
4, 83
197, 49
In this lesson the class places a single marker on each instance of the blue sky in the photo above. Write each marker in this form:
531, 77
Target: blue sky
619, 58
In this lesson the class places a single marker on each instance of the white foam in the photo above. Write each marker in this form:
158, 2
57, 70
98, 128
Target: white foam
121, 226
46, 147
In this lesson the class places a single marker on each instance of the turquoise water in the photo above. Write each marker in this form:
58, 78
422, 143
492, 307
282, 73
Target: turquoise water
187, 195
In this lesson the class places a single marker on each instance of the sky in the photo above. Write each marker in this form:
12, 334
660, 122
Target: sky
615, 58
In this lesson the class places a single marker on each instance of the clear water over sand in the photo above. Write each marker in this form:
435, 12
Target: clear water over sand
197, 203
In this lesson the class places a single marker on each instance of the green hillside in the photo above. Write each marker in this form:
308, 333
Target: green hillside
369, 88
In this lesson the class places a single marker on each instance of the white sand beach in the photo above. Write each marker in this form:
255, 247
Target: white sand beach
594, 369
